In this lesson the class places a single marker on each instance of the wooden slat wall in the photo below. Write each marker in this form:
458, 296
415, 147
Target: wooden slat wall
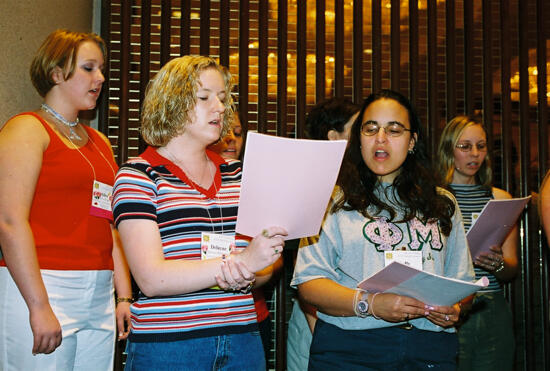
485, 46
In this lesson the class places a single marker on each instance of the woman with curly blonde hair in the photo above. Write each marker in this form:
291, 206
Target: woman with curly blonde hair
176, 208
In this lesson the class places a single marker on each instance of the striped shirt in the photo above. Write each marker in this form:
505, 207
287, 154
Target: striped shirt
151, 187
471, 199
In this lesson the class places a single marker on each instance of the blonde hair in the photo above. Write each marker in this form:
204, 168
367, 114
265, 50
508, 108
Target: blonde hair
172, 94
447, 144
59, 50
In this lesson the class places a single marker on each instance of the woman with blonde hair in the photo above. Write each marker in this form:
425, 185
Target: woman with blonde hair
486, 338
176, 209
57, 306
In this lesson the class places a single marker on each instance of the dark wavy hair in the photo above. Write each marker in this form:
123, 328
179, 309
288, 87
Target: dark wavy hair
415, 185
331, 114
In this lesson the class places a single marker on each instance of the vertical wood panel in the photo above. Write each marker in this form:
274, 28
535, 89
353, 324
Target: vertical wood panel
205, 28
506, 100
413, 52
301, 91
433, 114
243, 62
282, 66
468, 56
487, 98
357, 51
450, 58
224, 33
339, 48
144, 59
126, 17
320, 51
185, 27
262, 68
542, 76
526, 272
395, 59
165, 14
376, 59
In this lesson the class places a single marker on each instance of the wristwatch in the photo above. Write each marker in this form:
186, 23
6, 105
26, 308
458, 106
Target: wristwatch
362, 305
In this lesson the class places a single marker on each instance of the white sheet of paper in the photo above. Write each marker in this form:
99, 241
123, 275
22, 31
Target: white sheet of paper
493, 224
427, 287
287, 183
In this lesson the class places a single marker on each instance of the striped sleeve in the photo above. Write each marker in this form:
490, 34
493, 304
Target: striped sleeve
134, 193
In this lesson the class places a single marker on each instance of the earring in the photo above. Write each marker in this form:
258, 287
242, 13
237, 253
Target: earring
411, 151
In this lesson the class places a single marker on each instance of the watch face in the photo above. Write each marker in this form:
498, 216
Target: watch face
363, 306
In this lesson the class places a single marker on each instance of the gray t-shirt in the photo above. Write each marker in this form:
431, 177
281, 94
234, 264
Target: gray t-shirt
351, 248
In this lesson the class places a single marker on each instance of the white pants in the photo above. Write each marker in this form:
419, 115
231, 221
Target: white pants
83, 302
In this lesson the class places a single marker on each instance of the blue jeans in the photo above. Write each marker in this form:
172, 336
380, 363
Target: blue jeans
390, 348
225, 352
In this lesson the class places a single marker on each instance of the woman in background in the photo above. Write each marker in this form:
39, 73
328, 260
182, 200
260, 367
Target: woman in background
176, 208
328, 120
486, 335
57, 307
390, 202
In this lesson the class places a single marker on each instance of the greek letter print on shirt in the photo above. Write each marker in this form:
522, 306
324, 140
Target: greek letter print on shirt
386, 236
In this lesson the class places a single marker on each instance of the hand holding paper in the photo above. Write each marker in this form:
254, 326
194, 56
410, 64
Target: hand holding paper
427, 287
495, 221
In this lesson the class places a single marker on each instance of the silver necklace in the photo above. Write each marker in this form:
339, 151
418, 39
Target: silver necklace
70, 124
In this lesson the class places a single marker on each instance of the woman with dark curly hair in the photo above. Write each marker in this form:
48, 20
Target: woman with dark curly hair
388, 202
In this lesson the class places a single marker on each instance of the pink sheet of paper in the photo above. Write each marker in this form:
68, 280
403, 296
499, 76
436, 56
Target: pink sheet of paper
495, 221
427, 287
287, 183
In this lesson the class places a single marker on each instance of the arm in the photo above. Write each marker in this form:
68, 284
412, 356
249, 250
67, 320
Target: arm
336, 300
123, 287
22, 143
506, 253
545, 206
157, 276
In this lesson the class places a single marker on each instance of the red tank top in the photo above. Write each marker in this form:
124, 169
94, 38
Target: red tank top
66, 236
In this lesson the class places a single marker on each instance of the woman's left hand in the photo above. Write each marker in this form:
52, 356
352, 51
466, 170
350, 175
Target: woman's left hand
442, 315
490, 261
123, 319
236, 276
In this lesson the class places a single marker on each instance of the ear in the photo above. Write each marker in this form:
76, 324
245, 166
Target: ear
57, 75
412, 142
333, 135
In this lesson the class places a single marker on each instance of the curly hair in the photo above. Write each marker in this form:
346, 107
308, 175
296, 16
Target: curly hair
59, 50
415, 185
445, 153
172, 94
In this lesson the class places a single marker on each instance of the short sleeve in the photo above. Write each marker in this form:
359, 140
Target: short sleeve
134, 194
321, 259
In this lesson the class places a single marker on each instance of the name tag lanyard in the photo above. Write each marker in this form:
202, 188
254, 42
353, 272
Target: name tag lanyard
101, 192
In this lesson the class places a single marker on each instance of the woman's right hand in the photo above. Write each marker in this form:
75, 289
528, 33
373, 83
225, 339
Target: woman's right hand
46, 330
264, 249
396, 308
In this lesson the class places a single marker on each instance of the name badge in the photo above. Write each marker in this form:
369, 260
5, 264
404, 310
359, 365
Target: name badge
474, 218
102, 195
214, 245
411, 258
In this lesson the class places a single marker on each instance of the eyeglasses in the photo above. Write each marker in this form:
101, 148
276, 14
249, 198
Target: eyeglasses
467, 147
392, 129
